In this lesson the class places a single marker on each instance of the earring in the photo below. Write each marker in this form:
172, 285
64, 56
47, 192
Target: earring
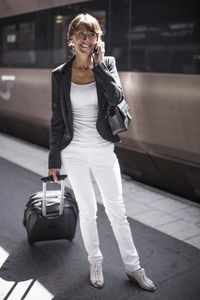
71, 45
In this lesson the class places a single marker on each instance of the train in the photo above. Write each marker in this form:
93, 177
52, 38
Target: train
156, 45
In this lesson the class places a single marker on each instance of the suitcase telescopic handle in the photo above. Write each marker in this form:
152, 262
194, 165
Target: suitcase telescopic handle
50, 178
45, 180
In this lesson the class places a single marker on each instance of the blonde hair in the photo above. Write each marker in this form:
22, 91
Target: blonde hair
90, 22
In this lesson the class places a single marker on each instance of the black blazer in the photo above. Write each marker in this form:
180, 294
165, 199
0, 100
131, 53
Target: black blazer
109, 91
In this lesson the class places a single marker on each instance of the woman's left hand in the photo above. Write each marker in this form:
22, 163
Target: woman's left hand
98, 57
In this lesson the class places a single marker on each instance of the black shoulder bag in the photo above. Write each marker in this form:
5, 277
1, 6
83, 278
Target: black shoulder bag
119, 117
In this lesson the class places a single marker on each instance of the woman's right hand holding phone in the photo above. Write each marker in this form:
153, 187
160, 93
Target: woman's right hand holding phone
99, 51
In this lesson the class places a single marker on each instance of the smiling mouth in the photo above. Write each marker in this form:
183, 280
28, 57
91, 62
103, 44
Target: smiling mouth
85, 46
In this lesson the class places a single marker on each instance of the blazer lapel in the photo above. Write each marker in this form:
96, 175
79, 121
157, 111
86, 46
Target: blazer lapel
100, 95
100, 92
66, 74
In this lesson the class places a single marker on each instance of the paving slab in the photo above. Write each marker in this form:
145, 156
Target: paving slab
194, 241
144, 196
190, 214
180, 229
168, 205
154, 218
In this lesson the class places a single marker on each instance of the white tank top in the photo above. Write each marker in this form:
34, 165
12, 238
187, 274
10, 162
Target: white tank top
85, 111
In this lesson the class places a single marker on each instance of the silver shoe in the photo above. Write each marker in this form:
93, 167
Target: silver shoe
96, 275
141, 278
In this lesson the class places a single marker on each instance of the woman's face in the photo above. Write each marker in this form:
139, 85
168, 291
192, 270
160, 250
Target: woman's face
84, 40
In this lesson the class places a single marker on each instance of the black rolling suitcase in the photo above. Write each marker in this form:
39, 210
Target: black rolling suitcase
50, 215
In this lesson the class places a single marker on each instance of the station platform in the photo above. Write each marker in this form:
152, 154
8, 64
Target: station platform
166, 231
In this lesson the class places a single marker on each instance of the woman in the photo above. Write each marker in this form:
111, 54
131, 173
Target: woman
81, 141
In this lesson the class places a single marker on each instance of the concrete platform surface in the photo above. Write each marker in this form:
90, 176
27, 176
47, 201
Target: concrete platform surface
60, 270
170, 214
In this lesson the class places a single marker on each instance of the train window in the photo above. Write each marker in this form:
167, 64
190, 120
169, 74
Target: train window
59, 40
167, 34
118, 32
19, 44
43, 39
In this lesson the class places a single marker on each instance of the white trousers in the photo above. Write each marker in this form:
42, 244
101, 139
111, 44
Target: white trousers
77, 163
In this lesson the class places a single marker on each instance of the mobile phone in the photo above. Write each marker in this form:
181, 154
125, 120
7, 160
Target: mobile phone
96, 51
